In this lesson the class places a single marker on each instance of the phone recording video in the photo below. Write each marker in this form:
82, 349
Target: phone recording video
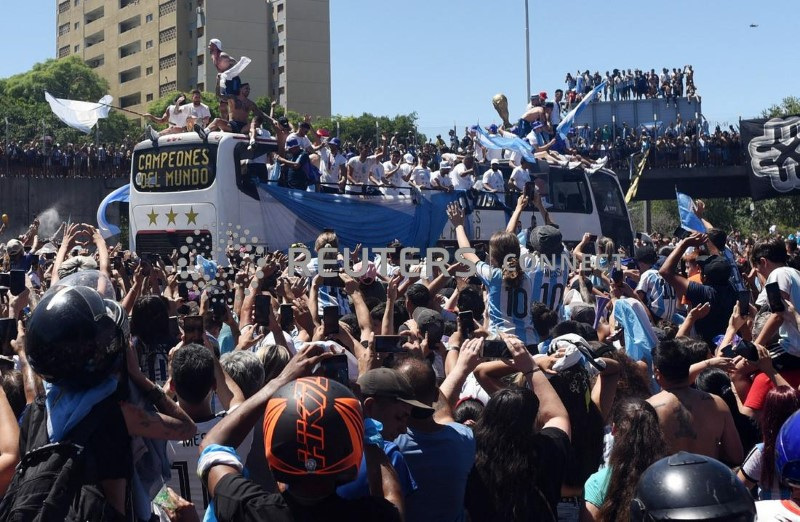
8, 332
336, 368
193, 329
774, 298
495, 349
262, 309
466, 323
287, 317
389, 344
330, 320
16, 282
744, 303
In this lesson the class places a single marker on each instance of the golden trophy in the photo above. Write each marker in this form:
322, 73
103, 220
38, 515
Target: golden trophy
500, 103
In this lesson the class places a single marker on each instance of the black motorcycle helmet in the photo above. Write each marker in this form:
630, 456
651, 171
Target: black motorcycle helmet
686, 486
313, 427
75, 338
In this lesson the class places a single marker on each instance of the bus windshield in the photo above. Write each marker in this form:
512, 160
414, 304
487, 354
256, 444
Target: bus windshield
177, 168
607, 195
569, 192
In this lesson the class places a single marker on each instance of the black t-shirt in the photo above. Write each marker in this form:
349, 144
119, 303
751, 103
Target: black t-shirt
722, 299
238, 499
297, 178
552, 449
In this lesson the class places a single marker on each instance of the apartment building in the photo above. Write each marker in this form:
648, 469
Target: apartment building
147, 48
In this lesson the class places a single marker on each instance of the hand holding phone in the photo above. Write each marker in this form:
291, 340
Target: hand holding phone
774, 298
389, 344
330, 320
466, 322
496, 349
193, 329
262, 310
336, 368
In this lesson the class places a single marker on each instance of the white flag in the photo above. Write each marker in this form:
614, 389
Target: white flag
78, 114
237, 69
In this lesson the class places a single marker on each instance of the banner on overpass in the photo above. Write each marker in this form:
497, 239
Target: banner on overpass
773, 149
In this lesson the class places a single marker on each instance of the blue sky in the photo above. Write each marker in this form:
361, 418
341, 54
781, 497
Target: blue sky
445, 59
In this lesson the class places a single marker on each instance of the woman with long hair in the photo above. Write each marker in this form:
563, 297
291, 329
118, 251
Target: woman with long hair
518, 470
638, 442
510, 288
759, 465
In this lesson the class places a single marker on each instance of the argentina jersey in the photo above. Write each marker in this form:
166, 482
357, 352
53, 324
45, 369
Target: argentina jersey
509, 308
659, 296
549, 282
736, 277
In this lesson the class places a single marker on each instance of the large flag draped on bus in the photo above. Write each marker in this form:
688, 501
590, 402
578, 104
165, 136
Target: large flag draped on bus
635, 177
507, 141
79, 114
686, 209
296, 216
566, 124
121, 195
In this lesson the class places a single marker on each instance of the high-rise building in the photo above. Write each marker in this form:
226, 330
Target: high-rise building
148, 48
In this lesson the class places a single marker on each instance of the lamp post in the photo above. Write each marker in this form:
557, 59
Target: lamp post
527, 52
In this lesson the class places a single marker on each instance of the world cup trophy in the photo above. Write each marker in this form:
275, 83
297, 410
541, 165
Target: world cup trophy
500, 103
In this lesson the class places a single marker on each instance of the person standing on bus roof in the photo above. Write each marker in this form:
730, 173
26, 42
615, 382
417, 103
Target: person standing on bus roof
239, 108
332, 166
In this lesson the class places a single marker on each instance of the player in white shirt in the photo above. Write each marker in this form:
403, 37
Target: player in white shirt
198, 112
519, 177
175, 116
440, 180
463, 174
302, 137
393, 172
492, 185
421, 175
332, 167
358, 171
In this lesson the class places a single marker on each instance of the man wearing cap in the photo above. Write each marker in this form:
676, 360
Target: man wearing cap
296, 163
657, 296
493, 154
519, 177
492, 184
440, 180
332, 166
463, 174
387, 397
715, 289
222, 62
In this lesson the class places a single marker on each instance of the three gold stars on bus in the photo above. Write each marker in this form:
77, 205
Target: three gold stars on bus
191, 217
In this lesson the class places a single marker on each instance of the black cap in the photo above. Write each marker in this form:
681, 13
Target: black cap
715, 269
389, 383
284, 122
429, 322
546, 240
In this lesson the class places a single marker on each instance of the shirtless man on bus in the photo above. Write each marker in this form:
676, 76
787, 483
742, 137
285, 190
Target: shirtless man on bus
239, 109
690, 419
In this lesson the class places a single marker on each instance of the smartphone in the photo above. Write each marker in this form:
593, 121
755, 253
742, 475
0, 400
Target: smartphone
744, 302
174, 330
530, 189
389, 344
5, 279
681, 233
263, 309
728, 352
747, 350
166, 260
287, 316
330, 320
617, 276
146, 267
496, 349
336, 368
466, 322
774, 298
193, 329
16, 283
183, 291
8, 332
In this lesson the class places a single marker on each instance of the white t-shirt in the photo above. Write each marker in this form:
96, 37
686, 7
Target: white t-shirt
443, 181
330, 166
395, 178
493, 179
303, 141
494, 154
198, 112
183, 455
178, 119
461, 182
781, 510
377, 172
421, 177
788, 280
360, 169
519, 177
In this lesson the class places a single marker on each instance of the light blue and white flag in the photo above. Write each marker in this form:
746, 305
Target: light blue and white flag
566, 124
79, 114
689, 219
508, 142
121, 195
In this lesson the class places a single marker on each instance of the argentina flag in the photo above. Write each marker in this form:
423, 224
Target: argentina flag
508, 142
566, 124
121, 195
689, 219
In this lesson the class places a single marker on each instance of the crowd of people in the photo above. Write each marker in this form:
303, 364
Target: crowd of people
46, 159
651, 383
634, 84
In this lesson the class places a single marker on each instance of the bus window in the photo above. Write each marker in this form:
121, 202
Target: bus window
247, 178
569, 192
607, 195
178, 168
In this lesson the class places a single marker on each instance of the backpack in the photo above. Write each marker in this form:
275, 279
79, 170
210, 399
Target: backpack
49, 479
